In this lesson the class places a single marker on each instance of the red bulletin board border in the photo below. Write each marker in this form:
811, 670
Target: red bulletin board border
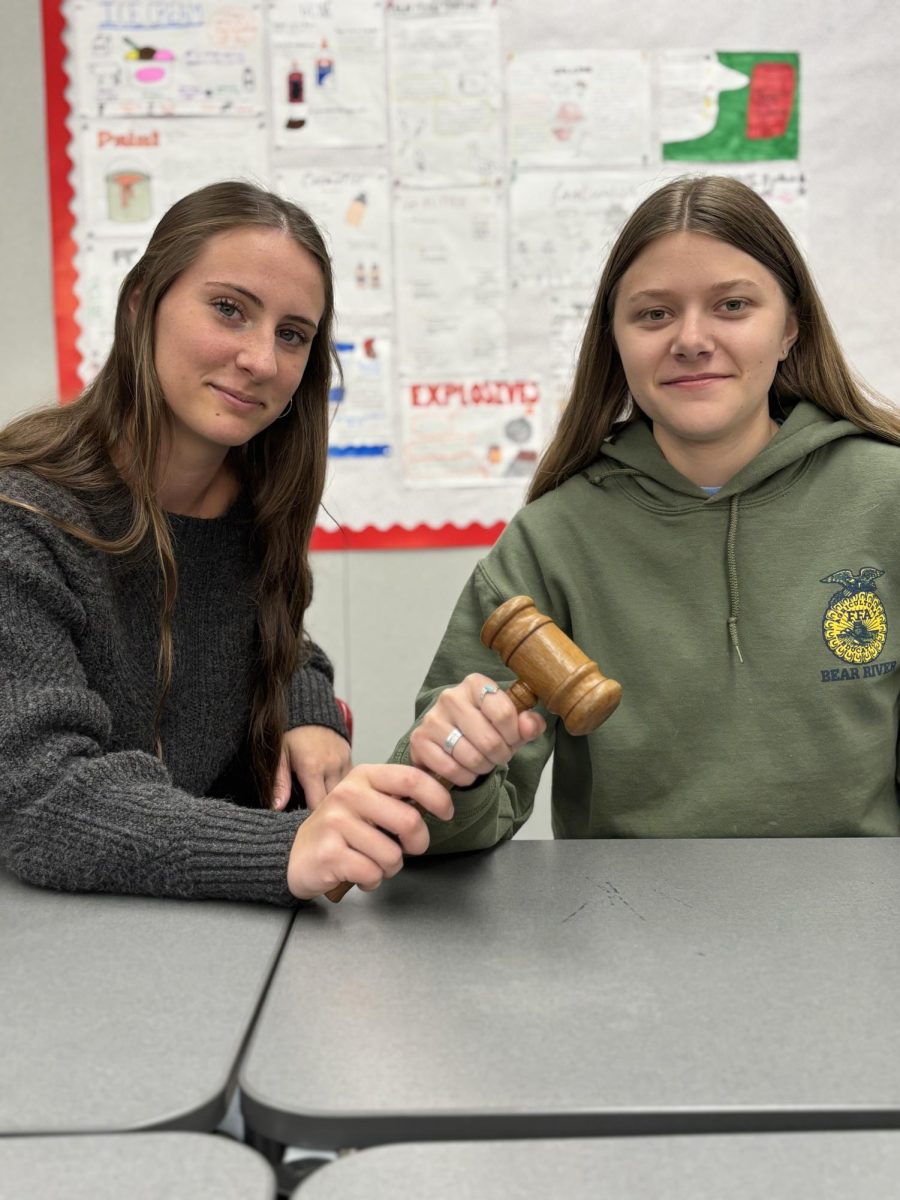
60, 165
420, 537
61, 220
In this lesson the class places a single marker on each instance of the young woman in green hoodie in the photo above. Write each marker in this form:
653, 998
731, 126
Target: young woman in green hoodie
716, 523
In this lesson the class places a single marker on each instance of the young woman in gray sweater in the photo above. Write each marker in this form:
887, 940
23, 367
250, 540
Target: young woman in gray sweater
157, 691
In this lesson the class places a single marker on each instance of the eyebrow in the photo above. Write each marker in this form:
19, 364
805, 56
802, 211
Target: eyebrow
661, 293
236, 287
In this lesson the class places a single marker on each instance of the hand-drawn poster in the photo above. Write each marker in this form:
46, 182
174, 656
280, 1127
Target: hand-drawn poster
144, 58
546, 325
729, 107
361, 423
446, 100
470, 431
562, 224
352, 208
327, 73
102, 265
451, 271
133, 170
588, 108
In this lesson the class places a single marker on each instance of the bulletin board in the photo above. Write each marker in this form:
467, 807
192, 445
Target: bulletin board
469, 161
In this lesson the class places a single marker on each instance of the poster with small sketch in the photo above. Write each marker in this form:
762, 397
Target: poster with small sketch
468, 177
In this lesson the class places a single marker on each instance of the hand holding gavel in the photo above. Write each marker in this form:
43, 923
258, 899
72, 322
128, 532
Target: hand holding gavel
550, 669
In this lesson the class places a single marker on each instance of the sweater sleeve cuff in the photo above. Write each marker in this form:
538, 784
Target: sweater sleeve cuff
311, 701
235, 854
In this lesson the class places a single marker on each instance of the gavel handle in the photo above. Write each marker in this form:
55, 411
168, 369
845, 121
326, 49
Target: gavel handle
523, 698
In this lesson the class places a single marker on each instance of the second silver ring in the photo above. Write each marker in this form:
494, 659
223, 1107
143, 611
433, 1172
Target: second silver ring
451, 739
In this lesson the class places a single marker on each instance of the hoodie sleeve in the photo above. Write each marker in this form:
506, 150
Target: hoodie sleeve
492, 810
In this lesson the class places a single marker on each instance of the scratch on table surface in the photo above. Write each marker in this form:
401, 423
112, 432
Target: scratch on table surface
614, 894
668, 896
573, 914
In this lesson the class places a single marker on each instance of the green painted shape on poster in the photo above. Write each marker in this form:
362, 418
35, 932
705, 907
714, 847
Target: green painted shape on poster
728, 141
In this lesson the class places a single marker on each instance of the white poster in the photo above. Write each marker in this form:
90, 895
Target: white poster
470, 431
352, 208
102, 265
446, 100
587, 108
147, 58
327, 73
546, 325
132, 171
562, 224
361, 424
451, 280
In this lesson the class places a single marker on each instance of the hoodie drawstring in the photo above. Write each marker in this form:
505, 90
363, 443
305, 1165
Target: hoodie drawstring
731, 569
730, 558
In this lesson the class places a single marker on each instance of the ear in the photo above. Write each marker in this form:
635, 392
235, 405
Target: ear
791, 333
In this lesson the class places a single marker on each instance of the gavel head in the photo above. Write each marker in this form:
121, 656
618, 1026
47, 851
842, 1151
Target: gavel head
549, 663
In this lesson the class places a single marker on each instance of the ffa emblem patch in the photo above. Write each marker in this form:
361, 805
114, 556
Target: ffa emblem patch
855, 624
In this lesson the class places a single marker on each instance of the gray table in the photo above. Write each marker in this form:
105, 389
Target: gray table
120, 1012
777, 1166
570, 989
140, 1166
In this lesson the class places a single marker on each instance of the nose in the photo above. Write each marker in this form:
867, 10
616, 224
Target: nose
692, 336
256, 354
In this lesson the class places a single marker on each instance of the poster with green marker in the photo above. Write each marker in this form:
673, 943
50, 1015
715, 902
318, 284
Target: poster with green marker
727, 106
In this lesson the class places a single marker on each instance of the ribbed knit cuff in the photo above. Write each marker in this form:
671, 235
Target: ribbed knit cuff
311, 702
242, 855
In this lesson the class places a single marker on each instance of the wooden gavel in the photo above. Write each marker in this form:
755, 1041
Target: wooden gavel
550, 668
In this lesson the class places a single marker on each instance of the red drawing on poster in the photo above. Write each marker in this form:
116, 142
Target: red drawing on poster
771, 102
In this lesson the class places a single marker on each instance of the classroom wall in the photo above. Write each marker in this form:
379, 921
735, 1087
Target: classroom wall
379, 614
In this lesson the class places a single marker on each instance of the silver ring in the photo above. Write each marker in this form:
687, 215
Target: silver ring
451, 739
487, 690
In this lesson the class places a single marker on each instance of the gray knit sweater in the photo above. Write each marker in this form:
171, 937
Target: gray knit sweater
85, 804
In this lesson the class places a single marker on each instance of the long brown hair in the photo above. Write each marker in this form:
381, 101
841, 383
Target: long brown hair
281, 470
726, 209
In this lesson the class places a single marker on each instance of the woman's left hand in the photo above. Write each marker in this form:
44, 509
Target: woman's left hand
319, 757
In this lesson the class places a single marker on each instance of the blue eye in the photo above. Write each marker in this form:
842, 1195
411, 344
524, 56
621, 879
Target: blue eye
228, 308
293, 337
734, 305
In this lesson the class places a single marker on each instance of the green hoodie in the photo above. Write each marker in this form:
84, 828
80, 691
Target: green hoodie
752, 632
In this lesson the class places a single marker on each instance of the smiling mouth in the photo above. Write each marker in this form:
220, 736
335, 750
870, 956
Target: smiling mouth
237, 397
693, 380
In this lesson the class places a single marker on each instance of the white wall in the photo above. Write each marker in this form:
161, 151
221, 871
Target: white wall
27, 347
